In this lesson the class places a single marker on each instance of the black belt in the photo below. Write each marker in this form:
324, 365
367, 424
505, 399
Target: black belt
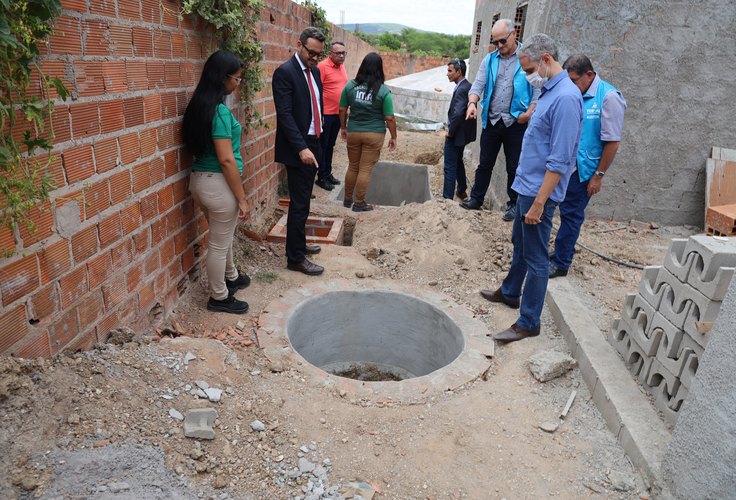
313, 137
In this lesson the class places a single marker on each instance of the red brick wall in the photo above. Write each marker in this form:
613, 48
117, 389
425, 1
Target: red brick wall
120, 237
396, 64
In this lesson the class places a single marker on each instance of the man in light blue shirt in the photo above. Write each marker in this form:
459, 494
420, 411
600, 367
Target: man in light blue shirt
547, 161
603, 123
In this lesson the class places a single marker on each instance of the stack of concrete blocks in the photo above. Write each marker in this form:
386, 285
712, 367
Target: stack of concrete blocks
663, 330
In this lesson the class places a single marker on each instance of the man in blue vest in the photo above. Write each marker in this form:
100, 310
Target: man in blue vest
507, 103
603, 122
546, 164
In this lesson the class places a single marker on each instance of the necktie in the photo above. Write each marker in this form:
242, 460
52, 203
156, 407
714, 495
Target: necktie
315, 108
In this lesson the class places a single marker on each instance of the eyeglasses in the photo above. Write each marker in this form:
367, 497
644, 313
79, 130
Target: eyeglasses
341, 53
237, 79
312, 53
502, 41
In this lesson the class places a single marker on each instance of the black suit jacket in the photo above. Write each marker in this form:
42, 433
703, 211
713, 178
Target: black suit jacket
293, 109
462, 131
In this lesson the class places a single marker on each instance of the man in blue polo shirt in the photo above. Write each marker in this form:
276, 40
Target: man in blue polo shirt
603, 123
547, 161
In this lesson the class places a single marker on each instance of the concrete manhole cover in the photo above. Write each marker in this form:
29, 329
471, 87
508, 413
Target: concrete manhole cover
375, 340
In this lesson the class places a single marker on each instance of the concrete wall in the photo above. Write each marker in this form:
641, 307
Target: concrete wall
396, 64
701, 458
120, 240
672, 62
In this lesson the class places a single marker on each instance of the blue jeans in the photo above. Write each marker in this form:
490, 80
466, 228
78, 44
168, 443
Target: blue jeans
572, 215
330, 130
454, 169
530, 262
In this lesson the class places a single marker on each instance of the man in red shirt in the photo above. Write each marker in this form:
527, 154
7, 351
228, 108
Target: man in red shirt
334, 77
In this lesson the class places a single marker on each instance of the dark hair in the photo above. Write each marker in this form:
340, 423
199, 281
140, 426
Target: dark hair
578, 63
311, 32
370, 73
458, 64
210, 91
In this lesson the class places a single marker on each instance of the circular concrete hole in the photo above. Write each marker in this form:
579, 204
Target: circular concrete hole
374, 335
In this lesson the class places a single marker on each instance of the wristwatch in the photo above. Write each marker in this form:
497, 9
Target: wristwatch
600, 173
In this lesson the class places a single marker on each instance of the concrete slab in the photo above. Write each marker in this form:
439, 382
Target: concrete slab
627, 412
394, 184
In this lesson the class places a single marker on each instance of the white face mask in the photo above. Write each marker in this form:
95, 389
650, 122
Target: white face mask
536, 80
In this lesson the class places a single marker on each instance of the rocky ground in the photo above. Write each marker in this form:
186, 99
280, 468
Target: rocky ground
106, 423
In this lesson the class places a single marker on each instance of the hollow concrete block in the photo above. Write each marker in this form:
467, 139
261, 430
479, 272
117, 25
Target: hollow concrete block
673, 305
663, 397
636, 328
679, 398
637, 361
712, 286
702, 311
648, 286
689, 370
657, 373
714, 253
638, 310
677, 261
671, 336
674, 365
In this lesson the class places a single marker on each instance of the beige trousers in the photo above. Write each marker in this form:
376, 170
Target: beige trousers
364, 150
212, 193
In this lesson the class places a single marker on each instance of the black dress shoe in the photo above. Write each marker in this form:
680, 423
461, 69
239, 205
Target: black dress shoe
556, 272
332, 180
312, 249
325, 184
470, 204
514, 333
306, 267
498, 296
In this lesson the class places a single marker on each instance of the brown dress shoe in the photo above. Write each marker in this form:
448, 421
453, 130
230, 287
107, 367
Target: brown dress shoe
306, 267
463, 196
497, 296
514, 333
312, 249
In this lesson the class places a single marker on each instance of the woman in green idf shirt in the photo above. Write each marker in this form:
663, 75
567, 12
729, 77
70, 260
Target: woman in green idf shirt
212, 134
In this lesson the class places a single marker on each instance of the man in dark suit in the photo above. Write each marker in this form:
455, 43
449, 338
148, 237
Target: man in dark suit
297, 95
459, 133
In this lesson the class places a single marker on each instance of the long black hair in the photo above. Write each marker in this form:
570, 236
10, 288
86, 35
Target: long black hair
210, 91
370, 73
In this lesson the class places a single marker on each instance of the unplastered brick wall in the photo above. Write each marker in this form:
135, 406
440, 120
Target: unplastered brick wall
120, 241
398, 64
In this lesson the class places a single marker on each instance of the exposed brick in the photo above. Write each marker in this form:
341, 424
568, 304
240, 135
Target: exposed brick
54, 260
165, 135
88, 78
162, 44
130, 9
128, 311
103, 7
168, 105
173, 271
84, 244
170, 16
105, 153
67, 36
62, 124
84, 341
76, 5
151, 264
122, 254
130, 217
181, 190
110, 230
133, 110
158, 231
152, 11
165, 198
156, 75
41, 220
73, 286
149, 207
37, 346
98, 270
171, 74
134, 277
178, 45
121, 40
171, 163
78, 163
187, 260
95, 36
7, 240
90, 310
63, 330
112, 118
159, 284
167, 251
137, 76
184, 237
114, 292
85, 119
146, 297
148, 141
188, 76
120, 187
157, 170
96, 198
141, 177
153, 108
142, 42
130, 150
108, 323
142, 241
44, 303
13, 327
181, 102
19, 278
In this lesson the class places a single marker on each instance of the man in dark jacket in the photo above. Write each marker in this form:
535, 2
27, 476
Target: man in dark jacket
459, 132
297, 95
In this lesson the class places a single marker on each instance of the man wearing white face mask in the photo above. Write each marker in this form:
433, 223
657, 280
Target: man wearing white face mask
546, 163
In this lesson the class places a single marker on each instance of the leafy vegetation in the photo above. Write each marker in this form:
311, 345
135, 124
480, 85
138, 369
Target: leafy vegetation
235, 23
319, 19
265, 276
421, 43
24, 181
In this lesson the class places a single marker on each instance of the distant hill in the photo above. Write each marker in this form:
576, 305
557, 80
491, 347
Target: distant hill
376, 28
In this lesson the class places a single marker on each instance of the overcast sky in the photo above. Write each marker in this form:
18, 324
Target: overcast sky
452, 17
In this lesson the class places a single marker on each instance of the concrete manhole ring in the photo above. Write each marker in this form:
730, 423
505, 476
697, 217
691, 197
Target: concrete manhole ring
434, 344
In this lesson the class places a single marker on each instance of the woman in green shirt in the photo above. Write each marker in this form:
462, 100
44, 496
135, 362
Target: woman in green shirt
371, 112
212, 134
